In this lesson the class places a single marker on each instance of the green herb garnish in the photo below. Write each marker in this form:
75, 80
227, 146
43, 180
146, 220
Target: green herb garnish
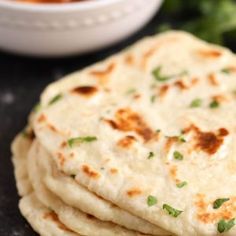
178, 156
214, 104
153, 98
150, 155
204, 18
171, 211
218, 202
131, 91
196, 103
181, 184
37, 107
55, 99
224, 226
182, 139
162, 78
73, 176
158, 76
151, 200
73, 141
226, 70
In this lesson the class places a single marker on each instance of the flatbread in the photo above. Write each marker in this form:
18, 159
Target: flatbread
42, 219
71, 217
130, 112
20, 148
73, 194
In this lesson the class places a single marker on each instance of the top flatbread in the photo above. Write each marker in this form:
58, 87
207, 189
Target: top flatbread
163, 115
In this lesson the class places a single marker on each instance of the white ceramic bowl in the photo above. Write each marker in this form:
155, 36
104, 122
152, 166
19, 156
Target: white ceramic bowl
71, 28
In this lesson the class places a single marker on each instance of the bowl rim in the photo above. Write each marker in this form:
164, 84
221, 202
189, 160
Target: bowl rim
56, 7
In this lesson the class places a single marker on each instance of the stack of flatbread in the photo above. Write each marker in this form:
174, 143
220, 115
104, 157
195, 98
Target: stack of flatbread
142, 143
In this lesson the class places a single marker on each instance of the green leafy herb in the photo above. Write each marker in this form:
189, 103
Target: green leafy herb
163, 78
204, 18
226, 70
55, 99
224, 226
150, 155
214, 104
153, 98
158, 131
73, 141
196, 103
218, 202
181, 184
178, 156
131, 91
158, 76
171, 211
72, 176
37, 107
151, 200
182, 139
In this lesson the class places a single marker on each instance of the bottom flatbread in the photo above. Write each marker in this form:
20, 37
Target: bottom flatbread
73, 218
42, 219
67, 189
45, 212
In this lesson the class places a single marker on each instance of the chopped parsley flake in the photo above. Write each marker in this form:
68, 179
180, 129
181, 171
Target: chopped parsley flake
158, 76
171, 211
37, 107
178, 156
158, 131
181, 184
214, 104
224, 226
226, 70
153, 98
55, 99
73, 141
72, 176
163, 78
182, 139
196, 103
218, 202
131, 91
150, 155
151, 200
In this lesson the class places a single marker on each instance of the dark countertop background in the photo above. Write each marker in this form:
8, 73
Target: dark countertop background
22, 79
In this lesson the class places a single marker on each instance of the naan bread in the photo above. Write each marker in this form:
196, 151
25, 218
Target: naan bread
69, 191
154, 117
20, 148
73, 218
42, 219
46, 218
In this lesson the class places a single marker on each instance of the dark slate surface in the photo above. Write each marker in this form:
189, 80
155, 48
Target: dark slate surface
22, 79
